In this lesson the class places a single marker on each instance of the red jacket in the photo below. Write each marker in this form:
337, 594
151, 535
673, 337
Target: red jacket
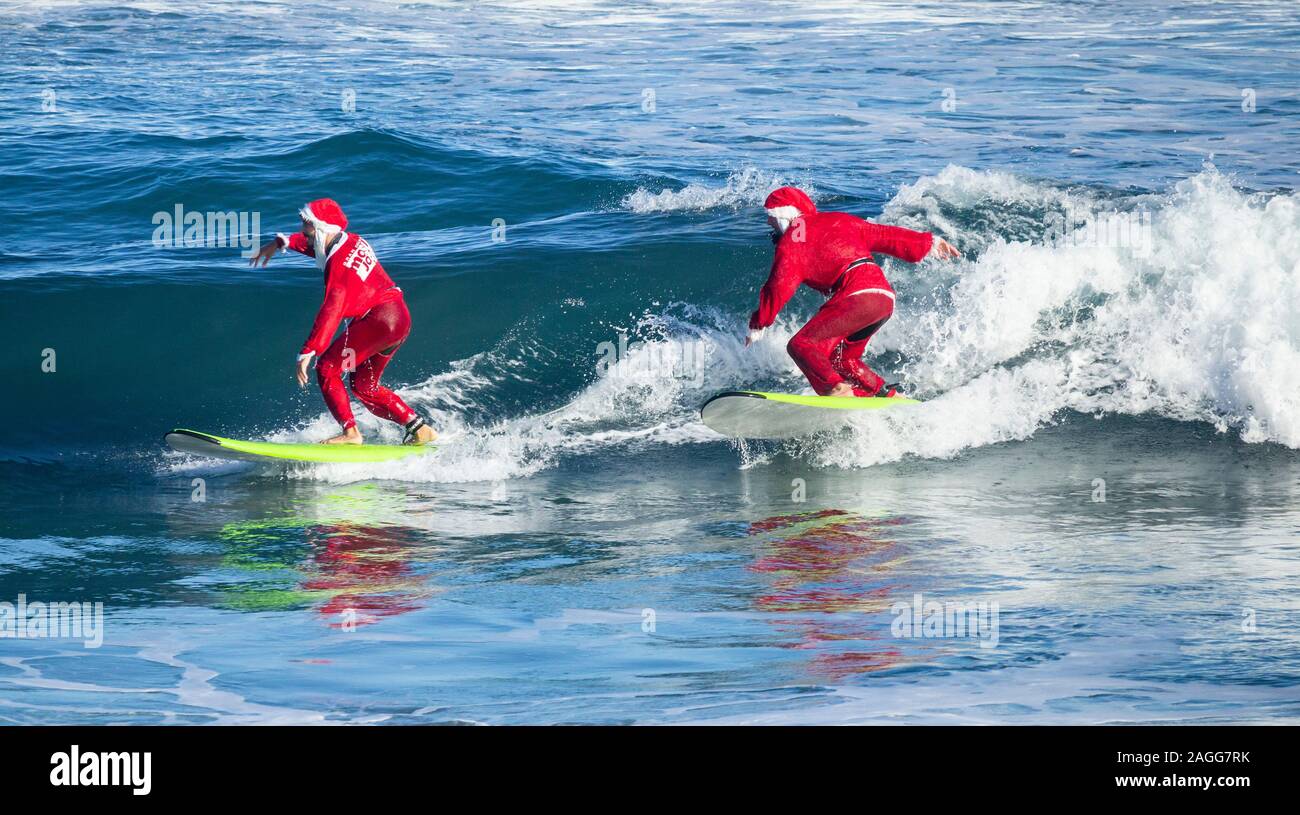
830, 242
354, 284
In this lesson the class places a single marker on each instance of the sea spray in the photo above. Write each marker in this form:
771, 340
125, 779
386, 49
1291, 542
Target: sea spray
1198, 322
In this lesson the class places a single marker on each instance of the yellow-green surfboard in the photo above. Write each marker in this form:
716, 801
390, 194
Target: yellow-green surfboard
205, 444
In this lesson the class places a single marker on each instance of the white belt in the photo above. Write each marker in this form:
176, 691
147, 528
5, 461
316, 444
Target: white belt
885, 292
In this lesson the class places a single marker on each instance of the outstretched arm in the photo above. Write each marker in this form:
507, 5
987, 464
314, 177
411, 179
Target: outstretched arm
327, 322
782, 282
908, 244
322, 330
297, 242
896, 241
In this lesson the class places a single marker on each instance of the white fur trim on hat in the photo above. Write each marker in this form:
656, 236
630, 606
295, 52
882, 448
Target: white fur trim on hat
785, 213
308, 215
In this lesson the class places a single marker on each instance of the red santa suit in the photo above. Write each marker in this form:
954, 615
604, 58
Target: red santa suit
832, 253
358, 289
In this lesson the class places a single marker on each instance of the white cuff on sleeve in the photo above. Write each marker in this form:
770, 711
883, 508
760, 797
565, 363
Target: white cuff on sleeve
283, 240
307, 355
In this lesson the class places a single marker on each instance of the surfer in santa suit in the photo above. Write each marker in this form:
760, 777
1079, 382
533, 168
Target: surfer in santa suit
832, 253
359, 290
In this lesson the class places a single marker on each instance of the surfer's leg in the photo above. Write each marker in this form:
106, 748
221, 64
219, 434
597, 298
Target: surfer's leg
384, 403
829, 348
849, 357
377, 336
379, 400
812, 346
382, 328
329, 373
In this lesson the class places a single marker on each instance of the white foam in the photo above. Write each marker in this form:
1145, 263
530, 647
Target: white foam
650, 395
1201, 324
747, 187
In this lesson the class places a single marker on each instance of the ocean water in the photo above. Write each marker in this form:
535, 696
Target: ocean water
1105, 473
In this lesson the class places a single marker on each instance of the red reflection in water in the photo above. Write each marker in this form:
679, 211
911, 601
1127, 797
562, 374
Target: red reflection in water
368, 570
827, 563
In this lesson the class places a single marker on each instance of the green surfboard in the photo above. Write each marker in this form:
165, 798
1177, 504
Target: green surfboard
204, 444
759, 415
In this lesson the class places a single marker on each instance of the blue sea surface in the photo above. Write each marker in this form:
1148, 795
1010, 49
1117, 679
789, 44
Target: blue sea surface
1103, 476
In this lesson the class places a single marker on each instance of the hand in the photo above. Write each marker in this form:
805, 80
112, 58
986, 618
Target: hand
303, 365
265, 253
754, 331
943, 250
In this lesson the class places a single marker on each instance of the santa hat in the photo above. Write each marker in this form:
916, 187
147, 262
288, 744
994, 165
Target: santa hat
787, 203
325, 214
327, 217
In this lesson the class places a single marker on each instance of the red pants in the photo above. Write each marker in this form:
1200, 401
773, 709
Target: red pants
364, 348
829, 348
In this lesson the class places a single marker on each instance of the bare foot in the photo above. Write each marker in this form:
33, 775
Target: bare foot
842, 389
424, 435
349, 436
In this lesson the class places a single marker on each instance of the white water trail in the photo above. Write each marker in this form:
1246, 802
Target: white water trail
1194, 317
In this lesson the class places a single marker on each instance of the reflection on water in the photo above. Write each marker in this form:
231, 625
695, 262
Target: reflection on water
827, 561
833, 567
350, 573
671, 587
